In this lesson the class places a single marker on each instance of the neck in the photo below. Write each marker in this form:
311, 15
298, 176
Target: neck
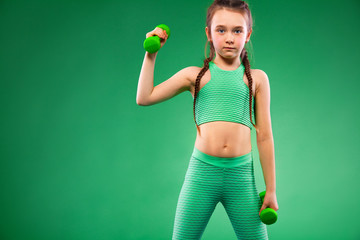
227, 62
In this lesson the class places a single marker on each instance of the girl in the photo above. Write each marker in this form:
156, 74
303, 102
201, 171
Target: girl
228, 96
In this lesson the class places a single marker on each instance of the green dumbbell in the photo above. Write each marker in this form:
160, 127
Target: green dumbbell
152, 44
268, 215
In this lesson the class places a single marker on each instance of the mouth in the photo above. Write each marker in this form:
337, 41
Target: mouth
228, 48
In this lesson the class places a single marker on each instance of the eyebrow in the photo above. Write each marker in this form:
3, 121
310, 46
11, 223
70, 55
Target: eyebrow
225, 26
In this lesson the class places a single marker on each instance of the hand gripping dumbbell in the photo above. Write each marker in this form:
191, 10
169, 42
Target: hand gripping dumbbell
268, 215
152, 44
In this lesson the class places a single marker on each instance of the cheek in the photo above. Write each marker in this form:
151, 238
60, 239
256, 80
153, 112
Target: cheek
217, 41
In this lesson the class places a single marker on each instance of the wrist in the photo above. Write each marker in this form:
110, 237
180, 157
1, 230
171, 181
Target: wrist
270, 190
151, 55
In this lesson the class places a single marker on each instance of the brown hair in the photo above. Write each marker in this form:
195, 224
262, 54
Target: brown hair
243, 8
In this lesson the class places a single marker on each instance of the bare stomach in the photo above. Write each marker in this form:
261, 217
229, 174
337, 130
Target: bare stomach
224, 139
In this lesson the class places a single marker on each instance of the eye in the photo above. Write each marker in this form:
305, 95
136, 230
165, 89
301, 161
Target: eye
235, 30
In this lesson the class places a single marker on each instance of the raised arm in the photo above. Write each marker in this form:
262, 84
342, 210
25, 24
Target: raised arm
149, 95
146, 79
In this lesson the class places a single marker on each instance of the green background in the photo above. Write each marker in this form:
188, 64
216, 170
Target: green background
81, 160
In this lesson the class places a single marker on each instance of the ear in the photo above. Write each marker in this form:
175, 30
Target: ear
248, 35
207, 33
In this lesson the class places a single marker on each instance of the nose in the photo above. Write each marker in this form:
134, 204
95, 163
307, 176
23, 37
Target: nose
229, 38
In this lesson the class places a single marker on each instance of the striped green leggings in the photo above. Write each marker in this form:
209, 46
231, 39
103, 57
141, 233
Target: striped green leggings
209, 180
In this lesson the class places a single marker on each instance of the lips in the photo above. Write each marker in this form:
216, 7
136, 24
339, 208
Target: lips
228, 48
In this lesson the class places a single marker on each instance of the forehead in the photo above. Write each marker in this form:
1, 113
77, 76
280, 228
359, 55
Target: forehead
228, 18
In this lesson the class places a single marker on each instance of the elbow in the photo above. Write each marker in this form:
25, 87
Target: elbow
264, 134
264, 137
140, 103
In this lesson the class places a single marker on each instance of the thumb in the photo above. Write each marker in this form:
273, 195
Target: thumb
262, 208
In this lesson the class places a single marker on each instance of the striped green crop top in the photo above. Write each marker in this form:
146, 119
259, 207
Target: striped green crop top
224, 98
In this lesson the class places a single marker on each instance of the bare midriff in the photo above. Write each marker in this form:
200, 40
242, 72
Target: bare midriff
224, 139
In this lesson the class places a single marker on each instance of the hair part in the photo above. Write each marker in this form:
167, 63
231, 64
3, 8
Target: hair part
243, 8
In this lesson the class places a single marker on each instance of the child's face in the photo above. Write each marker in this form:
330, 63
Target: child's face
228, 35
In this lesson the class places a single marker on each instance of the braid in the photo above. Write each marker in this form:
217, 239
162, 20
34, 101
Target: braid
200, 75
246, 62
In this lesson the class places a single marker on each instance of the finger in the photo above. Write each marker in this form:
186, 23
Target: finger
161, 32
274, 207
153, 32
149, 34
162, 35
262, 208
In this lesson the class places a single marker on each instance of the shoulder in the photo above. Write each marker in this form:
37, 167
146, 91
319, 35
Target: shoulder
261, 78
186, 74
260, 73
192, 69
192, 72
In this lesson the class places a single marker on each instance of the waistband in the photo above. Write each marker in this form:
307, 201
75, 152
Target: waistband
224, 162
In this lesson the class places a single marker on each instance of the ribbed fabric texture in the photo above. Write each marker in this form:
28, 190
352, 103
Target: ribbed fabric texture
228, 162
224, 98
205, 185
